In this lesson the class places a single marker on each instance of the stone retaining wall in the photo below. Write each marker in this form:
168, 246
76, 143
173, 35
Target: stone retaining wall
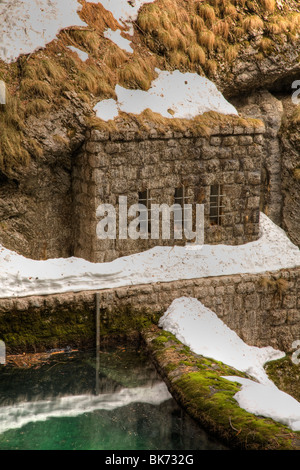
263, 309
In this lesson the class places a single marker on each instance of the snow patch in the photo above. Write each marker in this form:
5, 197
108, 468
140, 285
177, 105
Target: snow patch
200, 329
186, 95
107, 109
81, 54
28, 25
115, 36
20, 276
267, 400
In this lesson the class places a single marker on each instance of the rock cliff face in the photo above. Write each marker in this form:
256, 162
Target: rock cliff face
254, 64
36, 202
251, 71
290, 173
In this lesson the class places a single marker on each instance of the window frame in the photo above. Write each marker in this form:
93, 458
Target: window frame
145, 201
216, 204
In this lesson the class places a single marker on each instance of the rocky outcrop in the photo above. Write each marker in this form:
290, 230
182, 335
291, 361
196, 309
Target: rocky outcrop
252, 71
290, 146
36, 202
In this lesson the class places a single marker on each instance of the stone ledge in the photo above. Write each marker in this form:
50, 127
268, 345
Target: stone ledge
143, 129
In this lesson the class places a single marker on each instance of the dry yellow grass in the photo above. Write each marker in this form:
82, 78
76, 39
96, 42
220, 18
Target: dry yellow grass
295, 117
196, 54
207, 12
37, 107
269, 5
222, 29
137, 73
231, 53
12, 150
297, 174
207, 39
252, 23
211, 67
266, 45
178, 60
218, 26
36, 88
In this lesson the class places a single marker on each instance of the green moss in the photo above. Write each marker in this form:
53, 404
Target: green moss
32, 330
164, 338
161, 339
126, 319
37, 329
206, 392
186, 363
286, 375
170, 367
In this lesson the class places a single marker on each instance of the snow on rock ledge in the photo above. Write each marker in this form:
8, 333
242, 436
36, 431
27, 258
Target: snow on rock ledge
199, 328
267, 400
172, 94
20, 276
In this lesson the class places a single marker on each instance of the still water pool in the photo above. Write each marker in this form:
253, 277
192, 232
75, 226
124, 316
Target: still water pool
76, 401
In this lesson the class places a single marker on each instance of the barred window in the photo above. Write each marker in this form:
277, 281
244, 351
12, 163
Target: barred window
216, 204
144, 199
181, 199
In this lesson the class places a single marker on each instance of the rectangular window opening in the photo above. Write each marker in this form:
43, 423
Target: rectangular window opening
144, 199
181, 199
216, 205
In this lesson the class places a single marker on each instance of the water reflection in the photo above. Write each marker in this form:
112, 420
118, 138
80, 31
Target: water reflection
114, 401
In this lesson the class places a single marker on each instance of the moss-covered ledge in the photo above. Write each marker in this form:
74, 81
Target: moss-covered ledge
197, 384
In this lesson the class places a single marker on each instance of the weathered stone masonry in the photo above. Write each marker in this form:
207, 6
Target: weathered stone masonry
263, 309
113, 164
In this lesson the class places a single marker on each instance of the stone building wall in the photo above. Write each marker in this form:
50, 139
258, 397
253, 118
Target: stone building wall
263, 309
113, 164
265, 106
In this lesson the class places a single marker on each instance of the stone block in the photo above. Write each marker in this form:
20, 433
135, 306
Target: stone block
229, 141
94, 147
238, 130
278, 317
253, 202
113, 147
245, 288
245, 140
293, 317
99, 135
259, 139
254, 177
216, 141
289, 300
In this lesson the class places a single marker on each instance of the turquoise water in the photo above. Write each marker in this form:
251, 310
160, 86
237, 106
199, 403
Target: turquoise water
77, 402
